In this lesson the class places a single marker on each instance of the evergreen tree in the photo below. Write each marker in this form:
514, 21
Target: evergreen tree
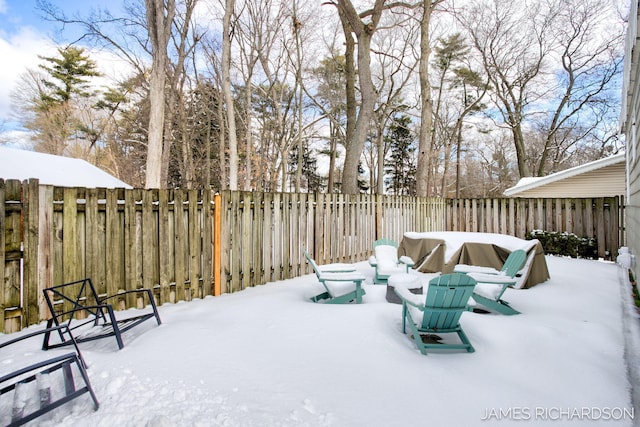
400, 168
315, 183
59, 108
68, 74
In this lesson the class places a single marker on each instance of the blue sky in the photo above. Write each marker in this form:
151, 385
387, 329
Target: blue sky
23, 36
18, 14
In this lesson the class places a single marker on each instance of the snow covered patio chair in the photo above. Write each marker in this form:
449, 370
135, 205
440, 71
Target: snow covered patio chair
385, 261
35, 385
340, 286
337, 267
493, 283
437, 313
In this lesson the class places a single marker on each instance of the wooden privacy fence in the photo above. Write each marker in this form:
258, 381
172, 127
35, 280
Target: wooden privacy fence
264, 234
601, 218
187, 244
183, 244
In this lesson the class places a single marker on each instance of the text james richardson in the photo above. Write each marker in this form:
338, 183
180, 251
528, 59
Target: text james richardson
556, 413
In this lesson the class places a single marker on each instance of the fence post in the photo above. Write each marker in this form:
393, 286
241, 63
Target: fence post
207, 239
31, 192
217, 240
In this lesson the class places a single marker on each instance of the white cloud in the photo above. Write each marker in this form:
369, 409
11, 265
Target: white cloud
16, 139
112, 67
19, 52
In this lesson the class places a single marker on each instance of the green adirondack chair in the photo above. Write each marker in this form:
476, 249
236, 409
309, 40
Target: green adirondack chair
385, 260
337, 267
438, 313
493, 283
340, 286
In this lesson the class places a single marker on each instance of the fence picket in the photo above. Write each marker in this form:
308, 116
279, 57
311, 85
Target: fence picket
267, 237
31, 193
12, 235
246, 241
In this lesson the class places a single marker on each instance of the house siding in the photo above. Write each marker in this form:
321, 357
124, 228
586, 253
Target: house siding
608, 181
629, 119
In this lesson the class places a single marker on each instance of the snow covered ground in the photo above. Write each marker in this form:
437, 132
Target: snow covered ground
267, 356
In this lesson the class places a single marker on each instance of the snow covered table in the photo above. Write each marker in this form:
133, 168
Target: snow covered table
442, 251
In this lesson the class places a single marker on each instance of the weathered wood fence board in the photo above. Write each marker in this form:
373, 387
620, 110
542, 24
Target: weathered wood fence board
10, 300
164, 239
601, 218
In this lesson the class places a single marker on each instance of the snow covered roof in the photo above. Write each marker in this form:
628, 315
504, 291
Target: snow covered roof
600, 178
54, 170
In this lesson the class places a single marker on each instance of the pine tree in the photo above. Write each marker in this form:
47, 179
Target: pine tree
315, 183
400, 168
63, 92
68, 75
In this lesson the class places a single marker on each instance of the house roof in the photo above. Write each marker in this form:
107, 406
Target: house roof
54, 170
578, 181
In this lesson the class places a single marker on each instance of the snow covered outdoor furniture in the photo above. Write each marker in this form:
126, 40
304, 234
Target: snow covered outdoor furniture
408, 281
510, 268
493, 283
340, 287
337, 267
90, 316
42, 385
385, 260
438, 313
442, 251
489, 291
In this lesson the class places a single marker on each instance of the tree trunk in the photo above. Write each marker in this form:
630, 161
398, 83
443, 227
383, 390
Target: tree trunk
521, 153
296, 30
363, 123
333, 135
426, 112
458, 150
350, 87
159, 28
381, 153
364, 32
228, 98
222, 145
248, 185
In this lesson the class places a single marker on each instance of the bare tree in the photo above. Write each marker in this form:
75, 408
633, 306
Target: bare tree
551, 67
296, 25
185, 39
395, 60
512, 43
589, 50
142, 30
226, 91
269, 89
329, 98
459, 92
426, 111
248, 58
159, 19
363, 31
